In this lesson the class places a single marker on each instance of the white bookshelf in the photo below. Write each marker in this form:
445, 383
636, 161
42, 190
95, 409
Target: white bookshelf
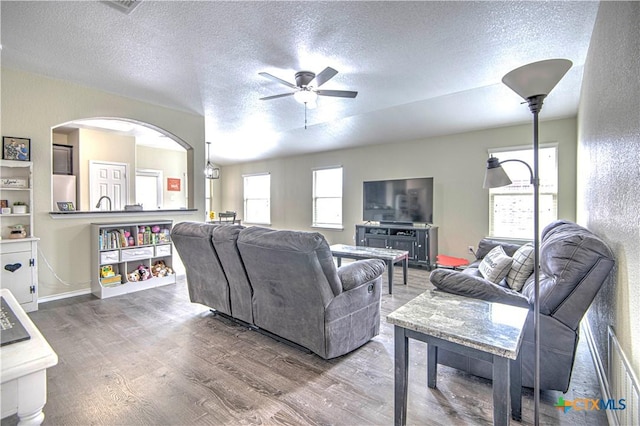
109, 249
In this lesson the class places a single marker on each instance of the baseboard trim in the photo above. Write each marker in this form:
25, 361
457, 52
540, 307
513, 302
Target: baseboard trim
83, 292
601, 370
66, 295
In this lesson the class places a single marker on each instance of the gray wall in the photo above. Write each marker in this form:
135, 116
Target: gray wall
457, 163
609, 168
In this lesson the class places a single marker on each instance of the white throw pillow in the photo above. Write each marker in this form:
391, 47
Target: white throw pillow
495, 265
521, 268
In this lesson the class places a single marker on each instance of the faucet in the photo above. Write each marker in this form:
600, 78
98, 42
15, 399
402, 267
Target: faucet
100, 201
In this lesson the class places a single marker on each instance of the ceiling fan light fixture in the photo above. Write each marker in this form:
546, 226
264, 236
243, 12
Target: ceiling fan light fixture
306, 96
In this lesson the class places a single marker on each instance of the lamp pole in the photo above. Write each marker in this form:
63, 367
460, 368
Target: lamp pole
535, 105
533, 82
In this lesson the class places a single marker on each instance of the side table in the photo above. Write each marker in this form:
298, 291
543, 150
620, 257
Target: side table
23, 374
477, 328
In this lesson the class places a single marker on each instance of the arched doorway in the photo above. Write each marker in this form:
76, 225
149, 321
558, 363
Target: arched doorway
125, 161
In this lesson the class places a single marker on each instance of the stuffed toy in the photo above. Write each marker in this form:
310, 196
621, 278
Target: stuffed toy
107, 271
133, 276
144, 272
160, 269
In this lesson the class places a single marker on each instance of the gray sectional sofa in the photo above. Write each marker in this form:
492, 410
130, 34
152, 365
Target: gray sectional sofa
282, 282
574, 264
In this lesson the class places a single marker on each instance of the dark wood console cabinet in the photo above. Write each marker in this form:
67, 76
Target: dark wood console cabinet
421, 243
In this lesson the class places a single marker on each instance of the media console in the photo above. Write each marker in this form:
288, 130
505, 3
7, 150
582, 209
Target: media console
420, 242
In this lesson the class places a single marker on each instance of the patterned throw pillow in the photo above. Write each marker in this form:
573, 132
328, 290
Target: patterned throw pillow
495, 265
522, 267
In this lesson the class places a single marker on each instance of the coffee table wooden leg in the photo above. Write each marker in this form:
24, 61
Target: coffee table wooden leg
501, 393
401, 350
339, 261
390, 274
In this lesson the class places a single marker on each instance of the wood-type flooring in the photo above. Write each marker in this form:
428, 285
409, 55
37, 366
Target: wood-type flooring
154, 358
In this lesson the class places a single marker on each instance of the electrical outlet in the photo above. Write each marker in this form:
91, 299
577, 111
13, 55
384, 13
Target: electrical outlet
470, 249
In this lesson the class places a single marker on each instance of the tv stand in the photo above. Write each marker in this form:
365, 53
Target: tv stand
420, 242
392, 223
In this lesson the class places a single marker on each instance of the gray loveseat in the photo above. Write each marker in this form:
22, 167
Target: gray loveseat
574, 263
282, 282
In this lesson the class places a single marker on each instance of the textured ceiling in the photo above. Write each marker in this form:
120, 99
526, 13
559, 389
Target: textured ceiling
421, 68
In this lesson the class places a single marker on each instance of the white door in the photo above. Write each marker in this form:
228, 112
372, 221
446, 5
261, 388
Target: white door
149, 189
111, 180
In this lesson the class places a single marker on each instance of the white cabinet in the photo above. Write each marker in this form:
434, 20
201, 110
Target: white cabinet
118, 249
18, 256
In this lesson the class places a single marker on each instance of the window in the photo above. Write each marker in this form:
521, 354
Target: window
511, 207
327, 197
257, 199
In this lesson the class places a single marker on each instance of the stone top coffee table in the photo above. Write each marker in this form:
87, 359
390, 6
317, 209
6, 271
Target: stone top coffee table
390, 256
472, 327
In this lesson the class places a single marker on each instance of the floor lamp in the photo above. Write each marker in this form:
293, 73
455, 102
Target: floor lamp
533, 82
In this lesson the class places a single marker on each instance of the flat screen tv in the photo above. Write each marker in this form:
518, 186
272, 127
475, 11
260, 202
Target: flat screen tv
398, 201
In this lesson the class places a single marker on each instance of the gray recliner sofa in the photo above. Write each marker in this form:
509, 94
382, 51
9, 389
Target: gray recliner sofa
282, 282
574, 264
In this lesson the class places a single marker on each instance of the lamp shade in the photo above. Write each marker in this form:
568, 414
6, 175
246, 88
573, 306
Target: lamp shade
495, 176
537, 78
306, 97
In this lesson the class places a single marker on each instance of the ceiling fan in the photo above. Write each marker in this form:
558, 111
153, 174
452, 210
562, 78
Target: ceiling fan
307, 84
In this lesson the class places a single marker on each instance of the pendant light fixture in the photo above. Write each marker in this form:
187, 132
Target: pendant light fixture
210, 172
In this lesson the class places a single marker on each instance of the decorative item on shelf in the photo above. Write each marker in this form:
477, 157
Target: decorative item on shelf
65, 206
210, 172
13, 183
19, 207
16, 148
17, 232
6, 210
164, 236
533, 82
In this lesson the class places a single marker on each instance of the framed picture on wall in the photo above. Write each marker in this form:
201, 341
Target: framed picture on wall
173, 184
16, 148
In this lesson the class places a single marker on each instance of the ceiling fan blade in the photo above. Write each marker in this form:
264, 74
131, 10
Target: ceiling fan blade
282, 95
338, 93
325, 75
279, 80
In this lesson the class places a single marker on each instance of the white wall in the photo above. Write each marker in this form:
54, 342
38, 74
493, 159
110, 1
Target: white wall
103, 146
31, 106
457, 163
609, 170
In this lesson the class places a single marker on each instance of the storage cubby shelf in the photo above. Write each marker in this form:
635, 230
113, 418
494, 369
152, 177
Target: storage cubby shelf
120, 248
